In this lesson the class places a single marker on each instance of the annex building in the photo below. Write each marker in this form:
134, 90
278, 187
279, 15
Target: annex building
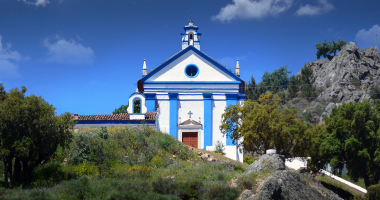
184, 96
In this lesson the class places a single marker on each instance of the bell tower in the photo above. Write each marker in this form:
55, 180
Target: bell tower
191, 36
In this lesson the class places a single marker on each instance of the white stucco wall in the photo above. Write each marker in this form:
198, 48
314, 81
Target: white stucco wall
217, 111
162, 117
175, 71
196, 107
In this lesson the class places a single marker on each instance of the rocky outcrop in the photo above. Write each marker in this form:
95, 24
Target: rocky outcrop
328, 110
285, 184
266, 161
349, 76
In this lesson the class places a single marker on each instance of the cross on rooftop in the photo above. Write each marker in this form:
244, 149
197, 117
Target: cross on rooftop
190, 113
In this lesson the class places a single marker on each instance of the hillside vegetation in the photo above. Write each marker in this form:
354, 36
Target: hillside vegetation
136, 163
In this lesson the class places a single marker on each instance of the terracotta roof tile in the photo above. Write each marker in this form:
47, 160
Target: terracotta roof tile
149, 116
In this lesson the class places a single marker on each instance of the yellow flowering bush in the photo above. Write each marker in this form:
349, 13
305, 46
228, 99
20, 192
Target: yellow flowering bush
81, 169
140, 171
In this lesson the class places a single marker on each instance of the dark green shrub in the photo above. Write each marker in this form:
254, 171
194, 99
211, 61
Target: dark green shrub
249, 160
82, 186
164, 186
221, 191
373, 192
48, 174
129, 195
358, 197
236, 166
80, 152
130, 190
39, 195
307, 116
247, 181
189, 189
162, 197
165, 142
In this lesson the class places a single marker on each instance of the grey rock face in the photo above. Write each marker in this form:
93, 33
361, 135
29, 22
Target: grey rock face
335, 77
349, 76
288, 184
266, 161
269, 189
246, 195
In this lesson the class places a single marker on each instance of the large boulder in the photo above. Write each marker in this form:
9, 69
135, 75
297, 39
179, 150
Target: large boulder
266, 161
349, 76
288, 184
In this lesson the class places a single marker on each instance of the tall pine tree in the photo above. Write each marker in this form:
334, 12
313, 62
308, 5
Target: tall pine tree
253, 91
307, 80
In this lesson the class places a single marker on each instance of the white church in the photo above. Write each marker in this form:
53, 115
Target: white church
185, 97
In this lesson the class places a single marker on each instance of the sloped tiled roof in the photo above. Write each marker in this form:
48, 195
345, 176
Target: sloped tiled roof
149, 116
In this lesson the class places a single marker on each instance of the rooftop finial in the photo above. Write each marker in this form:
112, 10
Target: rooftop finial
144, 69
237, 72
190, 22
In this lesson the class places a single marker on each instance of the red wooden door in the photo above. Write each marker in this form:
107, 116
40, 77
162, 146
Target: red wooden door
190, 138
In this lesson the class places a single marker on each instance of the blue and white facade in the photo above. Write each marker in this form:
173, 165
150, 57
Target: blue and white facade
189, 92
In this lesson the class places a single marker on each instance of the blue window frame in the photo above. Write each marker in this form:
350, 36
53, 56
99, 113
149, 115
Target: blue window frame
191, 71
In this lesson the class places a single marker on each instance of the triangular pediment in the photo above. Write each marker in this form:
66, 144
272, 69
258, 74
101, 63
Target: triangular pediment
190, 122
174, 69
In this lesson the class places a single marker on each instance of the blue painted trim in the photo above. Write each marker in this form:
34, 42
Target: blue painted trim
191, 88
173, 117
193, 66
191, 82
231, 100
133, 105
191, 91
187, 41
207, 119
192, 100
191, 28
150, 102
183, 51
241, 97
115, 122
136, 93
232, 96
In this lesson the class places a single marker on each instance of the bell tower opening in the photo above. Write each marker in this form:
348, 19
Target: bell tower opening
191, 36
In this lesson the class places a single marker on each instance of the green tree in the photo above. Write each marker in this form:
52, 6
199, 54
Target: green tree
263, 127
293, 87
252, 92
351, 137
122, 109
277, 80
307, 80
30, 132
325, 49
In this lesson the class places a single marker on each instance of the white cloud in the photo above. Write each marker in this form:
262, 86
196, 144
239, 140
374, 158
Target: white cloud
252, 9
68, 52
8, 61
366, 38
37, 2
308, 9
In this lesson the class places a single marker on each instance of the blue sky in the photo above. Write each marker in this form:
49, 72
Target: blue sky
85, 56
